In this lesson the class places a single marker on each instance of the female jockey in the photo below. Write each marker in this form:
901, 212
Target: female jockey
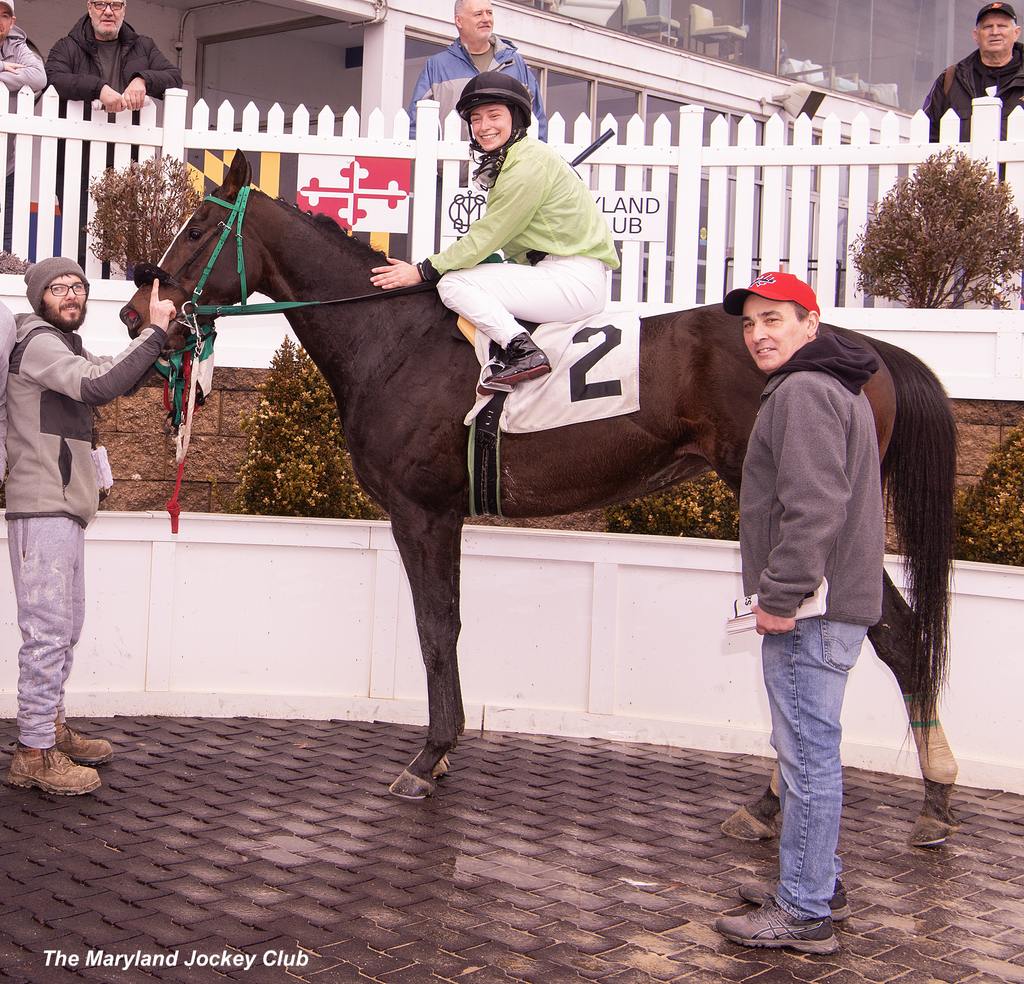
539, 213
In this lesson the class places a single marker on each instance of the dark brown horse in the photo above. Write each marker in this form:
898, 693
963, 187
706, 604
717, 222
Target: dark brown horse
402, 376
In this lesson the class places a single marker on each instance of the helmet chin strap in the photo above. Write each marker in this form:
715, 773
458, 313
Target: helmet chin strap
490, 162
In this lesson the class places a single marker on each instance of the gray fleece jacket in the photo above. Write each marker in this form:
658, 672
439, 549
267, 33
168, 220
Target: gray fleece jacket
15, 49
811, 500
52, 384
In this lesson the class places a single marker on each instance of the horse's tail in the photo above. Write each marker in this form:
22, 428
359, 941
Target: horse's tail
919, 474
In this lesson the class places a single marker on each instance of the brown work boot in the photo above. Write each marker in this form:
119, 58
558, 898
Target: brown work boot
52, 771
82, 750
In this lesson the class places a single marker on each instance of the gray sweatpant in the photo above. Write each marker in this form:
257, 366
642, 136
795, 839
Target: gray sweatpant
48, 564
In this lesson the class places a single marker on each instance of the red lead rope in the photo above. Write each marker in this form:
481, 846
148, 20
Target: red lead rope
173, 507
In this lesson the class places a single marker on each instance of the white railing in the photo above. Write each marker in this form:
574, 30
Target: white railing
618, 637
781, 201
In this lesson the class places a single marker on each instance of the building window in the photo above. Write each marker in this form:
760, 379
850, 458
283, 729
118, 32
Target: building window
568, 95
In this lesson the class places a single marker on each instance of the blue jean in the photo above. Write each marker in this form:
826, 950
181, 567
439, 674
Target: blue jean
805, 673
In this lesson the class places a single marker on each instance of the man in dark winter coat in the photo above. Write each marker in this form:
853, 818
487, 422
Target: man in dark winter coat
998, 63
103, 58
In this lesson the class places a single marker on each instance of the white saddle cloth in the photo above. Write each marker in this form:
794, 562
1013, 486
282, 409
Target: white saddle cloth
594, 375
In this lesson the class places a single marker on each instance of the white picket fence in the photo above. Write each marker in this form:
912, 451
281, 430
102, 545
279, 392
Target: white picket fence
789, 200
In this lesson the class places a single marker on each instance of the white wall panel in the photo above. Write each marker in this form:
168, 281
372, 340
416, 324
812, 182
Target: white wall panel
295, 618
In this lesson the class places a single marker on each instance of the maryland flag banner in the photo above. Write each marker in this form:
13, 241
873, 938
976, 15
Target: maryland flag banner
359, 193
208, 168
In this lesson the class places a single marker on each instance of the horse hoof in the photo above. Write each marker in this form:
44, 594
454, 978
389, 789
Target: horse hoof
930, 832
441, 769
743, 825
410, 787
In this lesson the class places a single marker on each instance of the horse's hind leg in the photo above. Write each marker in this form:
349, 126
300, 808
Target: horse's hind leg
757, 820
891, 638
430, 547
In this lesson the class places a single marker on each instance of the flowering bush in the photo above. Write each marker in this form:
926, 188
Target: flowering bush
140, 209
990, 515
9, 263
948, 235
705, 508
296, 463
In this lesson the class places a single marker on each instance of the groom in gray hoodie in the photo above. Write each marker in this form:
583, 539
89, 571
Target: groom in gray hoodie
810, 510
52, 494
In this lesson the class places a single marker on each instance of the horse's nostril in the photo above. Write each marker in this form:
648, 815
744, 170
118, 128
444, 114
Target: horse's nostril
131, 319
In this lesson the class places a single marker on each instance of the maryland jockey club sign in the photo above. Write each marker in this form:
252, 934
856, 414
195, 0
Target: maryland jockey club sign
632, 216
359, 193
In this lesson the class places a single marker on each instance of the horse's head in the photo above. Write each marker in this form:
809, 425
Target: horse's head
189, 257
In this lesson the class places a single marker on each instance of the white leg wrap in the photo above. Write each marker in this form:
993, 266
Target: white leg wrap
933, 752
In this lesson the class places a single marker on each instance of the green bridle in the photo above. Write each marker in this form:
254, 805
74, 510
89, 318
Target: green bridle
199, 344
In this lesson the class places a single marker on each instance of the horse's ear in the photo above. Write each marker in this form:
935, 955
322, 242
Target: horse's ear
239, 175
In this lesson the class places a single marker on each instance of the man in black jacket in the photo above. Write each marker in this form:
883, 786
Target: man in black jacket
103, 58
997, 63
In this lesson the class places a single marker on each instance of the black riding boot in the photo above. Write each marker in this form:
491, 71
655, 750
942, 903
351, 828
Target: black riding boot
523, 360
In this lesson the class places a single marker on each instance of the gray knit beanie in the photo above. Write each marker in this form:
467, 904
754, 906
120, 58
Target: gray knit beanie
40, 275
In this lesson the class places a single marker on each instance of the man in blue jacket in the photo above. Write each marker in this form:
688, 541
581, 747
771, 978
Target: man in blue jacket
477, 49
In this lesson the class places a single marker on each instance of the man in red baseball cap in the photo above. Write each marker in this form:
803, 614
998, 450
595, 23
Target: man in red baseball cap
810, 510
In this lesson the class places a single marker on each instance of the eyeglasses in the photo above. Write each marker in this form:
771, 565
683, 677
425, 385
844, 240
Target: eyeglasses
100, 5
61, 290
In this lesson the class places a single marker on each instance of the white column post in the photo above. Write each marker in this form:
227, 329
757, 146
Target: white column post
383, 68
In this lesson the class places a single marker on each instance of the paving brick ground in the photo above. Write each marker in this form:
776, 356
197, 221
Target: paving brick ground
540, 860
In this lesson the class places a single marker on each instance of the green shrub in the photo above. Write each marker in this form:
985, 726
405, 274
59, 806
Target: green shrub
296, 463
990, 515
705, 508
948, 235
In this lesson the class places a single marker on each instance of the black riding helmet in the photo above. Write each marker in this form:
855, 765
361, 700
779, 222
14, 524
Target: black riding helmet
495, 87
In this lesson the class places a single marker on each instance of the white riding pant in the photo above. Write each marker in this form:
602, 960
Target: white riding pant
494, 295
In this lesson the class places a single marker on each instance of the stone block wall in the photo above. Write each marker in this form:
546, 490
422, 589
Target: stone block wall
982, 425
142, 455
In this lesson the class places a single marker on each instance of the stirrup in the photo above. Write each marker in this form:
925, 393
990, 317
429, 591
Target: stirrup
485, 387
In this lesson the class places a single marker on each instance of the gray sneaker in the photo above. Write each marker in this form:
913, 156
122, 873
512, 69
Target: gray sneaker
770, 926
758, 892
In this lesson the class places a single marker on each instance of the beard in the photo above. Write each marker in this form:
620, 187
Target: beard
66, 316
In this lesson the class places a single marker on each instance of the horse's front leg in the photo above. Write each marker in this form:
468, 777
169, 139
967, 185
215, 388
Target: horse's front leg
430, 547
892, 638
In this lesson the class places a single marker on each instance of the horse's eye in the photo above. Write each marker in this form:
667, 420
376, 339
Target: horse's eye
194, 233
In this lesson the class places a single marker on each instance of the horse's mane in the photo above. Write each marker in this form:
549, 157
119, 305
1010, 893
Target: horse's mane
332, 230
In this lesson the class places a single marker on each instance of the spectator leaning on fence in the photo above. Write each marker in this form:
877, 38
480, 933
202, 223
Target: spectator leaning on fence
998, 63
477, 49
52, 495
104, 58
21, 67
